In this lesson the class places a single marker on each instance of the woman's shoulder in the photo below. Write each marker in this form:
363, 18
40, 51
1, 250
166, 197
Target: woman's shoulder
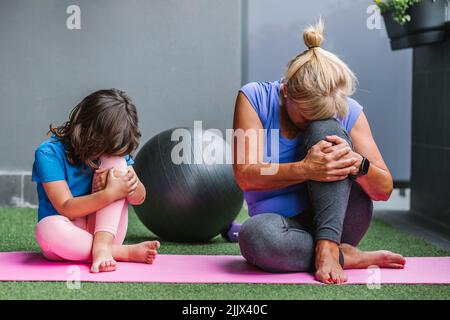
354, 105
354, 110
262, 96
261, 87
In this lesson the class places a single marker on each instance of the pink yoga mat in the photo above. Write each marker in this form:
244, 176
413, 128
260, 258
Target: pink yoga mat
27, 266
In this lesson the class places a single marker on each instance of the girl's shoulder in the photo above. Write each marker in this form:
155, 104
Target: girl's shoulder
51, 146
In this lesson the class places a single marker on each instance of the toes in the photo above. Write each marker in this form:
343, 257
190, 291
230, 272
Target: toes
150, 257
335, 277
324, 277
402, 260
395, 258
103, 266
154, 245
95, 268
397, 266
107, 265
342, 278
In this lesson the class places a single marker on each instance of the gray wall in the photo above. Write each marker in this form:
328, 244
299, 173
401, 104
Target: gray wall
271, 35
179, 60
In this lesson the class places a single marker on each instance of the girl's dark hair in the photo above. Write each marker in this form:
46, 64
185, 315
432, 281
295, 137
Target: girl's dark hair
105, 122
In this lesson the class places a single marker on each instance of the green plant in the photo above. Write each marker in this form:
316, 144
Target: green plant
398, 9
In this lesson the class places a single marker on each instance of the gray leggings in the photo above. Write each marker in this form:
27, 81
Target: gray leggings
339, 211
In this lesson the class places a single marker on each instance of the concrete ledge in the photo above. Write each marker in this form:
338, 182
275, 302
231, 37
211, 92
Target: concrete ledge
431, 232
17, 190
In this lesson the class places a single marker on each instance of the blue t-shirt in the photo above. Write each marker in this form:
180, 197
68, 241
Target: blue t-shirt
290, 201
51, 164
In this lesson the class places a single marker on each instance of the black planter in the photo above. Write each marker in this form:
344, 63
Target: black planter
427, 25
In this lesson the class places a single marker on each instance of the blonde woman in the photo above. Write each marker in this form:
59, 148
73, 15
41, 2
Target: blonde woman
313, 212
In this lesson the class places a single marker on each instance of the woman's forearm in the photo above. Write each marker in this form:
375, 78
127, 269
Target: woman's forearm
78, 207
377, 183
265, 177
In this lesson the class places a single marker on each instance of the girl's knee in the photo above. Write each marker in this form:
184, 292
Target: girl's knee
119, 163
47, 232
49, 224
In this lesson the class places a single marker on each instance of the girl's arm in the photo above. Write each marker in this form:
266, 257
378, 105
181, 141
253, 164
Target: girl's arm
71, 207
137, 196
137, 192
315, 166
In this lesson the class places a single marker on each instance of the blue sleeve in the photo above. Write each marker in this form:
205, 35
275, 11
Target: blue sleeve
255, 95
129, 160
354, 110
47, 167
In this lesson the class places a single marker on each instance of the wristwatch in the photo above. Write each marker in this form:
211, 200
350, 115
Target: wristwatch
364, 167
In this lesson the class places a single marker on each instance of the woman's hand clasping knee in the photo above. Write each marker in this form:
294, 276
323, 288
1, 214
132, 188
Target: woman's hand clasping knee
331, 166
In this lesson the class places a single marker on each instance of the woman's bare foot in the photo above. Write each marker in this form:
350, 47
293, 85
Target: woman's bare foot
102, 259
357, 259
328, 269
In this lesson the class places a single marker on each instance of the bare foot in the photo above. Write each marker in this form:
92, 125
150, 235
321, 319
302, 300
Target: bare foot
143, 252
102, 258
327, 263
357, 259
103, 261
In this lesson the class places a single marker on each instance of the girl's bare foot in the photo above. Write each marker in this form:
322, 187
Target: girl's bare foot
328, 268
143, 252
357, 259
103, 262
102, 259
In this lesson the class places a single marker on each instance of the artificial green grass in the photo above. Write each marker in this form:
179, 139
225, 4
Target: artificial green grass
17, 234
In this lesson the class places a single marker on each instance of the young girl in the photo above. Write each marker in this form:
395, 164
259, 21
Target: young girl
85, 181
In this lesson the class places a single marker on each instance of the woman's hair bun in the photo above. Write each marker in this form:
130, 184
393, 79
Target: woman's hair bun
313, 35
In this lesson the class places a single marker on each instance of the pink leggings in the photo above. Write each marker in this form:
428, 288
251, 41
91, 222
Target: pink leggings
64, 239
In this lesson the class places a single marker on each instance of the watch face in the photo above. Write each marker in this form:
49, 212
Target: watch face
365, 166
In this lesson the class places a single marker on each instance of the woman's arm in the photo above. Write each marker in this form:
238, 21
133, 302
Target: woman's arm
71, 207
315, 166
377, 183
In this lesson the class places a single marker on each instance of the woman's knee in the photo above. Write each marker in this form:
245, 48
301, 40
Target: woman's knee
318, 130
266, 242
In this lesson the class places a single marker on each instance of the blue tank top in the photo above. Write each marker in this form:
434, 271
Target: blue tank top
290, 201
